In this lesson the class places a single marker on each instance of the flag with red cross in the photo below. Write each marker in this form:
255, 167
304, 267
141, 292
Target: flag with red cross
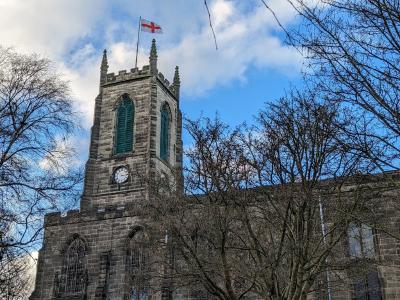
149, 26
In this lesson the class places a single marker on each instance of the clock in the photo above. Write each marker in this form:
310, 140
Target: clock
121, 175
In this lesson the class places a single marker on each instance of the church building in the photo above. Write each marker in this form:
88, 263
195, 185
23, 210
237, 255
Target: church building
99, 251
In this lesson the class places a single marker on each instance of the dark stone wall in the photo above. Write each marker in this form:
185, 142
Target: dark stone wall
106, 234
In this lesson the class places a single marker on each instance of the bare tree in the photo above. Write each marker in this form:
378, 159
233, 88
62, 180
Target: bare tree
301, 151
36, 118
269, 209
263, 213
16, 276
353, 53
206, 252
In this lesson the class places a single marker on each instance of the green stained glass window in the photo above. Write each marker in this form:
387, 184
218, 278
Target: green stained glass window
164, 132
124, 126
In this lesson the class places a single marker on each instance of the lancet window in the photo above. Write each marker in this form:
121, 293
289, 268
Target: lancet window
125, 116
361, 246
165, 132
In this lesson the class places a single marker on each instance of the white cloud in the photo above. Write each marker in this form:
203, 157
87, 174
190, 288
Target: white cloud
47, 26
84, 81
52, 28
244, 41
31, 270
121, 56
59, 161
70, 32
221, 11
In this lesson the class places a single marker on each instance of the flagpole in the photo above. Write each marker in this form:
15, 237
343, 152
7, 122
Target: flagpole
137, 44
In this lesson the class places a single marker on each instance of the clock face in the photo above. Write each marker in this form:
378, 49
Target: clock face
121, 175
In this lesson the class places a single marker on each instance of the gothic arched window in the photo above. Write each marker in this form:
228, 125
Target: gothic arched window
164, 132
73, 280
361, 241
139, 266
123, 142
362, 246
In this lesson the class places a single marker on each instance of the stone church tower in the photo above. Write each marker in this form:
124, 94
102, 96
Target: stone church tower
96, 252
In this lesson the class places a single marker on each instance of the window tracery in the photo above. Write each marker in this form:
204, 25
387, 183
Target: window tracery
361, 241
362, 247
139, 266
74, 276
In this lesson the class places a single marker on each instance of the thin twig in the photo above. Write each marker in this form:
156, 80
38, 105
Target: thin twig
211, 26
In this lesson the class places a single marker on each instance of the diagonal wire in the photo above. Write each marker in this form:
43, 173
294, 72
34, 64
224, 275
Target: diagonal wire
290, 39
276, 19
211, 26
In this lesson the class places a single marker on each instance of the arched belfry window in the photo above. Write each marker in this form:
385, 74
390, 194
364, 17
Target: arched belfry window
139, 266
165, 132
73, 278
125, 116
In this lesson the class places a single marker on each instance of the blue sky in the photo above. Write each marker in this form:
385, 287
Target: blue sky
251, 66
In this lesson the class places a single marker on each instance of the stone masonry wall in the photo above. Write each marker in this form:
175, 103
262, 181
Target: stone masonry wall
148, 94
100, 189
106, 234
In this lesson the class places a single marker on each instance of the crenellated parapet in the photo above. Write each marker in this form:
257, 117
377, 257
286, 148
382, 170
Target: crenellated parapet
95, 214
123, 75
136, 73
173, 88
